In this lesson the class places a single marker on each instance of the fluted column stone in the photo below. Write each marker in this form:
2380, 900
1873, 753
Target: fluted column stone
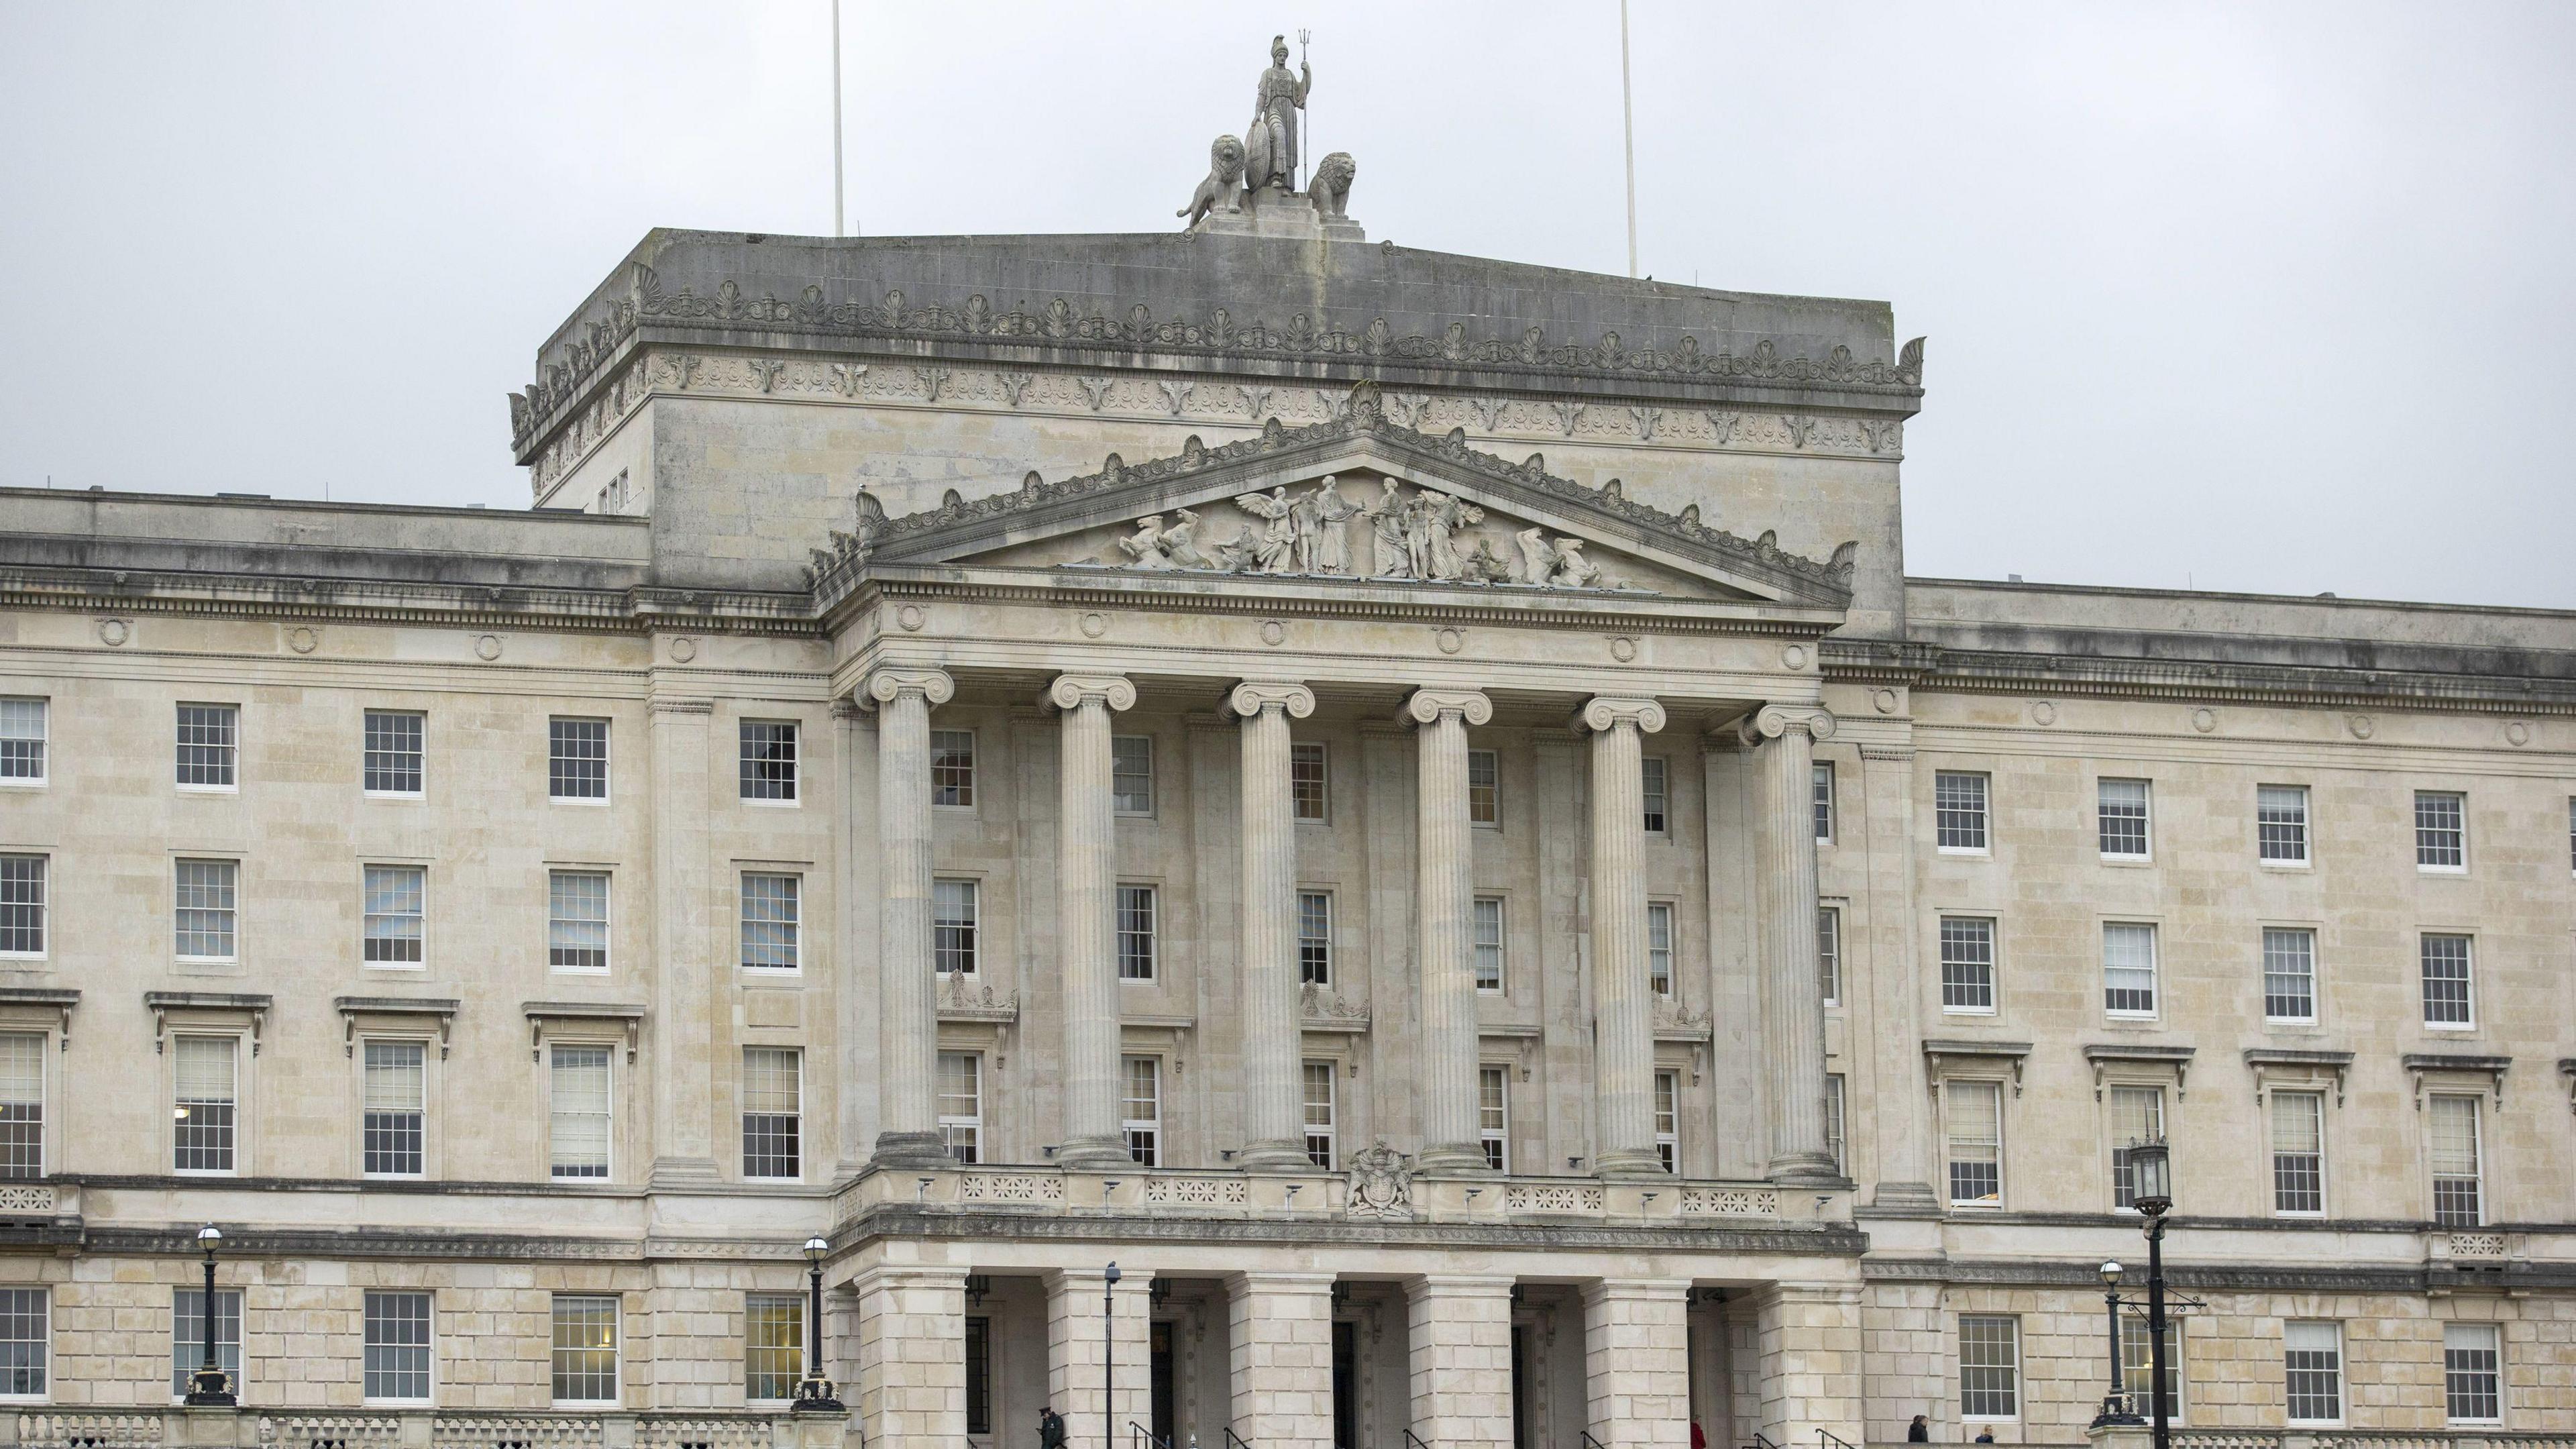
1623, 998
1444, 932
1273, 1009
1087, 918
1793, 1009
907, 988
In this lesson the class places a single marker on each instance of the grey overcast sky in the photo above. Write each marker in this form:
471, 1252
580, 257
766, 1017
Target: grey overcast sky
2271, 297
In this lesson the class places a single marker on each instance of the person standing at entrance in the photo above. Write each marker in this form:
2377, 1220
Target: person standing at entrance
1918, 1432
1050, 1428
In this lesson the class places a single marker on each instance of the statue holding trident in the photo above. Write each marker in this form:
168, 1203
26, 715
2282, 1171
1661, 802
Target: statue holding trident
1270, 147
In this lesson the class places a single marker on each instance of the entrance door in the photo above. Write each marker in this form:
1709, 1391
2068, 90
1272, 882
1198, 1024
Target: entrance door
1162, 1360
1346, 1385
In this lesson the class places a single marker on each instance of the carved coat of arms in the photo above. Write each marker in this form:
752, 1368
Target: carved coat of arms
1381, 1183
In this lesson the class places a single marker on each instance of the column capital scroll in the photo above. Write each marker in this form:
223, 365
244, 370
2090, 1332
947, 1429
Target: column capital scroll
1426, 706
888, 682
1603, 712
1252, 696
1070, 691
1772, 721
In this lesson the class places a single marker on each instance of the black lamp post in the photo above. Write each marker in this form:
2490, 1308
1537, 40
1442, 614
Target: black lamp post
2151, 1192
2115, 1404
1108, 1357
210, 1387
814, 1393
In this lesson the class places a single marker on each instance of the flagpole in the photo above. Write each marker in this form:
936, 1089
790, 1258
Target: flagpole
1628, 136
837, 212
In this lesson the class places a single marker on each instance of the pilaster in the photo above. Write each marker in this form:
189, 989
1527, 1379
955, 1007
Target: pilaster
682, 1066
1636, 1362
1280, 1336
1888, 1059
1809, 1352
1083, 1344
912, 1356
1459, 1342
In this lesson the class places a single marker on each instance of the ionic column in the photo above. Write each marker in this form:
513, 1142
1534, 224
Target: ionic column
1636, 1362
907, 987
1623, 999
1793, 1009
1087, 918
1444, 939
1273, 1009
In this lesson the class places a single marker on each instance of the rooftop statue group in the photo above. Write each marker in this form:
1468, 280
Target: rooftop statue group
1415, 537
1262, 165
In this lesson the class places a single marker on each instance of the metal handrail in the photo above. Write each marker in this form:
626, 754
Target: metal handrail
1760, 1442
1234, 1440
1589, 1442
1828, 1439
1140, 1435
1414, 1441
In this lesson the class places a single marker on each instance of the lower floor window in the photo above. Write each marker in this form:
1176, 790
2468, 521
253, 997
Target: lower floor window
1989, 1368
2312, 1368
188, 1336
2137, 1364
2472, 1370
397, 1347
773, 1345
26, 1341
585, 1350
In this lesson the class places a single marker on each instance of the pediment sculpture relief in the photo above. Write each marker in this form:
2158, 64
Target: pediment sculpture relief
1425, 535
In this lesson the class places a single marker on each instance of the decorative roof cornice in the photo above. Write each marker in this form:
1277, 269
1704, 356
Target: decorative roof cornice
2201, 677
1361, 416
1217, 337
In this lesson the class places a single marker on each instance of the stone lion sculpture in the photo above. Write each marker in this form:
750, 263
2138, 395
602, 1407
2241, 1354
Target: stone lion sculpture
1223, 188
1331, 187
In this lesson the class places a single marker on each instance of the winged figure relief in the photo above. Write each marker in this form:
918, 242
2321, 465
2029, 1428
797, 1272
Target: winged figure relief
1276, 553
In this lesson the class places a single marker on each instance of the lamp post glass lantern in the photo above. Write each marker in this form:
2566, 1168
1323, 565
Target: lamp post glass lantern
2151, 1191
814, 1392
210, 1386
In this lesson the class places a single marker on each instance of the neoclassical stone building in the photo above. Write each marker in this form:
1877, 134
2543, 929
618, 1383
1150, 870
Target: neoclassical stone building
1407, 801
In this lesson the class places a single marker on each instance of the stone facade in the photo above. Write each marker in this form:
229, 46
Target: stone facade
832, 813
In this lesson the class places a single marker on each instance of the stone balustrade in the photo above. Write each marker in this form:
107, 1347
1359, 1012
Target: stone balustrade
1161, 1192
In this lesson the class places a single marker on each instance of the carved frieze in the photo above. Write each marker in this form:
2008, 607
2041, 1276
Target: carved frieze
1060, 323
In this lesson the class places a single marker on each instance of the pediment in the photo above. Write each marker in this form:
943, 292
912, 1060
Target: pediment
1360, 498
